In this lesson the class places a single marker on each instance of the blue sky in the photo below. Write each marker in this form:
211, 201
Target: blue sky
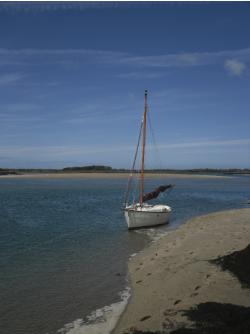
72, 80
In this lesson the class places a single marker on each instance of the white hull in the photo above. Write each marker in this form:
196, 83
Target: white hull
147, 215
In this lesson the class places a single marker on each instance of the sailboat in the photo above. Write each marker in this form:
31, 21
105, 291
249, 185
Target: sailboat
139, 213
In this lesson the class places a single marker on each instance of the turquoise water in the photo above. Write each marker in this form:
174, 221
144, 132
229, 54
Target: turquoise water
64, 243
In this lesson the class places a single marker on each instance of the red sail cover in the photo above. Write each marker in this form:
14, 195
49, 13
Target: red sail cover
155, 193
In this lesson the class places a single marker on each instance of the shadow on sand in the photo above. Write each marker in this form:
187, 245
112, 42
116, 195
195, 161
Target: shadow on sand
212, 318
218, 318
238, 264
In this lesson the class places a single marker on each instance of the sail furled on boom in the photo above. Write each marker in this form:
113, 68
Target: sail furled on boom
155, 193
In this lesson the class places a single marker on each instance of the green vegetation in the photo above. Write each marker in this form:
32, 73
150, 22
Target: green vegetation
6, 171
94, 168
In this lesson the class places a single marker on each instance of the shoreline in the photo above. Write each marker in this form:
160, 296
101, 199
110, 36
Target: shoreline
107, 176
175, 274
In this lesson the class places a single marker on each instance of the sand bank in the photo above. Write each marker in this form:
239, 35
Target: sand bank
175, 274
106, 176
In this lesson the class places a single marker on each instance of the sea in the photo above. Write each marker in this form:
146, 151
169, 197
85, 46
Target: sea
64, 246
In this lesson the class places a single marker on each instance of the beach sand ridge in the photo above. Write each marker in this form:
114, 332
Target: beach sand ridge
175, 273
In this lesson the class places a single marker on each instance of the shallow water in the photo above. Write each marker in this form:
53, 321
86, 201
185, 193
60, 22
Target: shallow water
64, 243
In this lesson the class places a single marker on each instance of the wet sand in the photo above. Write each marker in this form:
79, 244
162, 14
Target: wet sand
107, 176
176, 274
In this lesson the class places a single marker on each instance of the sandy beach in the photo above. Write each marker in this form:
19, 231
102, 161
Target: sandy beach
175, 275
106, 176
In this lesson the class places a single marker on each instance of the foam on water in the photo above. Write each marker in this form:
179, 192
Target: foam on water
132, 255
100, 321
154, 234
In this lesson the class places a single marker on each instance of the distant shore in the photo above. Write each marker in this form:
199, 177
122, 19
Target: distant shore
108, 175
174, 279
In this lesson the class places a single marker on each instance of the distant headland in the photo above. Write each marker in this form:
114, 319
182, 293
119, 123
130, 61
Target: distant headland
108, 169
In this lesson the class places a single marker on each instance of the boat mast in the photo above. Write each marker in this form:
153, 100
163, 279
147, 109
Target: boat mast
143, 147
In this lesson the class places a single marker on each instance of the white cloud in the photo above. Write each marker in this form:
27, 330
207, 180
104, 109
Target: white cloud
74, 150
19, 107
209, 143
185, 59
20, 58
117, 58
141, 75
183, 154
10, 78
235, 67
